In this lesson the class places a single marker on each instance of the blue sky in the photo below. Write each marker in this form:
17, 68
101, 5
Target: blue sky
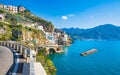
73, 13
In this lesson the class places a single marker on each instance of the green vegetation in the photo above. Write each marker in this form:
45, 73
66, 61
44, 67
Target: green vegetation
17, 32
2, 11
27, 17
48, 26
5, 33
46, 62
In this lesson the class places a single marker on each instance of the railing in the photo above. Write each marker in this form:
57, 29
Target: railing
32, 70
25, 51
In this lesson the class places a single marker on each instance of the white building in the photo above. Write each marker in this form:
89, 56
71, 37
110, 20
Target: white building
5, 7
2, 31
15, 9
65, 37
10, 8
41, 28
21, 8
1, 6
50, 37
2, 17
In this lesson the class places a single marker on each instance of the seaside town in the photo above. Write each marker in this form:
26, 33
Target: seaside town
36, 38
56, 36
59, 37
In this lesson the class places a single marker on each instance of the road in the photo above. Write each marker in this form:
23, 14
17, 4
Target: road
6, 60
11, 62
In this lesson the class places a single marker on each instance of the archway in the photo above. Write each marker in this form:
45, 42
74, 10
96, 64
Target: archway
51, 51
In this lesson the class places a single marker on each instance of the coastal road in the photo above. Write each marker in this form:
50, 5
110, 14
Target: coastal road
6, 60
11, 62
17, 68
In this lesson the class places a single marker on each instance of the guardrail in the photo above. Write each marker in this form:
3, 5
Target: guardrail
32, 70
25, 51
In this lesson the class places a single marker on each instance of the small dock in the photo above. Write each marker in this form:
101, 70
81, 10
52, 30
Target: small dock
88, 52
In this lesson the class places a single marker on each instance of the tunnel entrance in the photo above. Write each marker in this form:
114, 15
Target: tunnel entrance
51, 51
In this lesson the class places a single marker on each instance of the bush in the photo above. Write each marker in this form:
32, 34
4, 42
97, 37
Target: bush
46, 62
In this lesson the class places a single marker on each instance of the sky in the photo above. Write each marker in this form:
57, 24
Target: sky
73, 13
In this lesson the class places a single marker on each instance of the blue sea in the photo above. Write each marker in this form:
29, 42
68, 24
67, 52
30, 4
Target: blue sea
106, 61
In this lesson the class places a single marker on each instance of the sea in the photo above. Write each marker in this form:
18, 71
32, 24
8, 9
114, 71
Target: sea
106, 61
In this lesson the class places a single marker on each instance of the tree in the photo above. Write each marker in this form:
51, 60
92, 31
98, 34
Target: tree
13, 21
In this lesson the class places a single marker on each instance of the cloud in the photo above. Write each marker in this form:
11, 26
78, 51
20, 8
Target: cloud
67, 16
64, 17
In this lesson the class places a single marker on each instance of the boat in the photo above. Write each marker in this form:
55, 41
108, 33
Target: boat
88, 52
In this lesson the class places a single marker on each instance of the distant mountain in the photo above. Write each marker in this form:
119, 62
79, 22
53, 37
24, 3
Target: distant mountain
102, 32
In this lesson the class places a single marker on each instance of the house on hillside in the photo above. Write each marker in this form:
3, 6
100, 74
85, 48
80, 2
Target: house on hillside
1, 5
2, 17
10, 8
2, 30
21, 8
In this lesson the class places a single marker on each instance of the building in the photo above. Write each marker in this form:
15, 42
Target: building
50, 37
5, 7
29, 24
2, 30
40, 28
64, 37
21, 8
15, 9
2, 17
10, 8
1, 6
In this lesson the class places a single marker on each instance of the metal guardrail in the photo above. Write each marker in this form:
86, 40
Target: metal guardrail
32, 70
27, 52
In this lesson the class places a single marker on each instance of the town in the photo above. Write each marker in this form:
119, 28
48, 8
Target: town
55, 37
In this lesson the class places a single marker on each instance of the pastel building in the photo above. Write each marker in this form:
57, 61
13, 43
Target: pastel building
2, 31
21, 8
10, 8
50, 37
15, 9
1, 6
65, 37
2, 17
41, 28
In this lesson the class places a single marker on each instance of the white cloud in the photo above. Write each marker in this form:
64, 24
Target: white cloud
64, 17
67, 16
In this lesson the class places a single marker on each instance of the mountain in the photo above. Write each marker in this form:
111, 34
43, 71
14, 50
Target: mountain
101, 32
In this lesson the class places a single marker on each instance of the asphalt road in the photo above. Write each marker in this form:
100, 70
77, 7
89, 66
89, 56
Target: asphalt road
11, 62
6, 60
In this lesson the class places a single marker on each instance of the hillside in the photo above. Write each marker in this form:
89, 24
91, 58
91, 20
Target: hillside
20, 33
18, 27
27, 18
102, 32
